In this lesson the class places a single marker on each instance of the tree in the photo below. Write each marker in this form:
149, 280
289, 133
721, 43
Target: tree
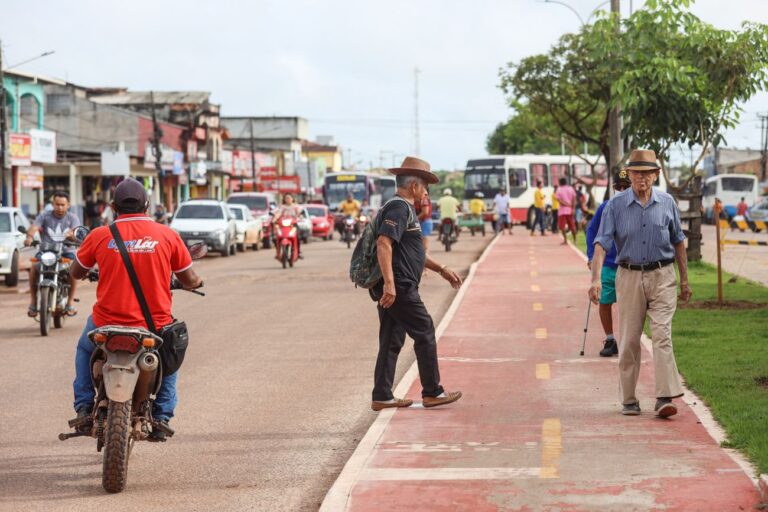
524, 132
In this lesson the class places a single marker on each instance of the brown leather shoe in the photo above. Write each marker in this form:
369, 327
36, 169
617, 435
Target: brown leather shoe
434, 401
398, 402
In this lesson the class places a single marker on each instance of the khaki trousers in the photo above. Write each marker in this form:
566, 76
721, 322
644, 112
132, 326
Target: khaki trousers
652, 293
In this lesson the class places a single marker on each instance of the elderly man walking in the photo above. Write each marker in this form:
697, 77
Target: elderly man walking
402, 258
644, 223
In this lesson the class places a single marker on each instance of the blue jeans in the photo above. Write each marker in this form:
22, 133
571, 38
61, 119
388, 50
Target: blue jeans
165, 402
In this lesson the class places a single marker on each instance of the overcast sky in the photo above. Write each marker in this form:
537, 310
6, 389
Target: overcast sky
347, 66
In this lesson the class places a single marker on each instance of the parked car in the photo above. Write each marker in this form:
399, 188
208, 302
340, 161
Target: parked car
261, 205
322, 220
759, 211
13, 226
209, 221
249, 228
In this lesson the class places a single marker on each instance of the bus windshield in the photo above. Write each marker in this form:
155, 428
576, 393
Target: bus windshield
387, 188
338, 187
488, 182
733, 184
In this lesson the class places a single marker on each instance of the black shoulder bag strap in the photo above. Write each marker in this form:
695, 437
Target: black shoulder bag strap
134, 278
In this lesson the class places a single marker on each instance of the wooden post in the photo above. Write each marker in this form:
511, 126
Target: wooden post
718, 209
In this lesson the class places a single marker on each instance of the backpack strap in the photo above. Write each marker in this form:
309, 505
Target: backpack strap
134, 278
393, 199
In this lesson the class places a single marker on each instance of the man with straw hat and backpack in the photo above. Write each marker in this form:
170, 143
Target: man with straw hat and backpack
394, 239
644, 223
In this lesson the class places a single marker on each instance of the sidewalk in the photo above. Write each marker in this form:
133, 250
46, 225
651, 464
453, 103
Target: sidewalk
538, 427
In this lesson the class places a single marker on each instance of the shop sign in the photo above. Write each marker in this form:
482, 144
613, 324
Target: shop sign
43, 146
191, 150
115, 163
31, 177
20, 149
199, 172
178, 163
267, 173
226, 158
166, 159
283, 184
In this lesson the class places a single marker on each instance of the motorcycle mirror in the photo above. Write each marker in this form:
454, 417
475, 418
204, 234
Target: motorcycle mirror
22, 229
198, 251
81, 232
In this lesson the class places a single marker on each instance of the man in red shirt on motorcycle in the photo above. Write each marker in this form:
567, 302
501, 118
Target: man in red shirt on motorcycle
156, 252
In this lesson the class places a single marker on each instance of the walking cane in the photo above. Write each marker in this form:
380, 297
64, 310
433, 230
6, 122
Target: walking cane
584, 342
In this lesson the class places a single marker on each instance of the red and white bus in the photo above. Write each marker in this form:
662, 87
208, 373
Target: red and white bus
518, 174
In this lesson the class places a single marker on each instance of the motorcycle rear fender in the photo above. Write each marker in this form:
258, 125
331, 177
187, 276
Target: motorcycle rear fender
121, 372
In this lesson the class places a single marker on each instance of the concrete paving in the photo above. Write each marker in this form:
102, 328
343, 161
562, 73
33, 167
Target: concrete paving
538, 428
274, 394
744, 260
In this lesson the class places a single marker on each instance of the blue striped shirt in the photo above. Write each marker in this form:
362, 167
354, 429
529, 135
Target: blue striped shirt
642, 234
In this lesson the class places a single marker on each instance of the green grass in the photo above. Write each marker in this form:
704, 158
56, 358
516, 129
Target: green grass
723, 353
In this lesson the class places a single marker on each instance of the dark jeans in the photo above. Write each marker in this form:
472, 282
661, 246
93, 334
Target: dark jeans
554, 221
407, 315
538, 220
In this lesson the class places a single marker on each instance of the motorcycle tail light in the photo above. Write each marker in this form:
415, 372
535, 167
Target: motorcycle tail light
123, 343
99, 337
148, 343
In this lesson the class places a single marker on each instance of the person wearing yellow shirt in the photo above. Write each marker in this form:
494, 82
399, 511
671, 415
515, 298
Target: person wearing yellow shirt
449, 209
538, 209
350, 207
477, 205
555, 207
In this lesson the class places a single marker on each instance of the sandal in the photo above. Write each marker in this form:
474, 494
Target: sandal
70, 311
32, 311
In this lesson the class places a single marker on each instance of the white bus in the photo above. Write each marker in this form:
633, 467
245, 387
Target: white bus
518, 174
729, 188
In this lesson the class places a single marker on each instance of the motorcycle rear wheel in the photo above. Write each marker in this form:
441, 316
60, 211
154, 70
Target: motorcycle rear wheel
116, 446
285, 257
46, 299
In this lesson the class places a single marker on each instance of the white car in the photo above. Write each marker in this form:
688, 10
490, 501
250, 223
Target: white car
249, 227
209, 221
13, 228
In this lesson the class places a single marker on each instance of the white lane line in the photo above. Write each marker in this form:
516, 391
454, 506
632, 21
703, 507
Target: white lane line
416, 474
551, 447
482, 359
542, 371
338, 495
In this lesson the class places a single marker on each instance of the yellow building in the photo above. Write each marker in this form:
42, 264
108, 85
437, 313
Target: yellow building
331, 155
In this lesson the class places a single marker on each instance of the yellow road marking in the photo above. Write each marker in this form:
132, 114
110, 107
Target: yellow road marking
541, 333
551, 447
534, 273
542, 371
535, 288
538, 306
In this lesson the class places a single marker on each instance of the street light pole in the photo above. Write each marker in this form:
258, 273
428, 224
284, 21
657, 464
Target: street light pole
3, 129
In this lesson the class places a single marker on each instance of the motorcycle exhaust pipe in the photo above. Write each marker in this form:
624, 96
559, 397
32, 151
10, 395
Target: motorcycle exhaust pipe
148, 362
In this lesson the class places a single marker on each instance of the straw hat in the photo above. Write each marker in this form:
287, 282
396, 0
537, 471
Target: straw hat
642, 160
413, 166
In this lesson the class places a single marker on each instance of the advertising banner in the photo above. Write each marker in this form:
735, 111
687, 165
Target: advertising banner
20, 149
115, 163
178, 163
43, 146
31, 177
199, 172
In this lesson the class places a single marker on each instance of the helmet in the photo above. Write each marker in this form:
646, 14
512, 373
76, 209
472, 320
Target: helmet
479, 195
448, 192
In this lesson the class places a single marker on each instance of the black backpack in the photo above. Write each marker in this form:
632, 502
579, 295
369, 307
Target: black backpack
364, 268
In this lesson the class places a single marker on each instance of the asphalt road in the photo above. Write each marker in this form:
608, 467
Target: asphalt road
274, 393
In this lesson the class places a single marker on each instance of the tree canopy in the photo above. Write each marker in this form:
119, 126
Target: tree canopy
524, 132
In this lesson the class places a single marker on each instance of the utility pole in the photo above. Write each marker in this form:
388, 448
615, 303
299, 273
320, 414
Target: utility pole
416, 143
763, 147
616, 149
3, 134
253, 157
157, 134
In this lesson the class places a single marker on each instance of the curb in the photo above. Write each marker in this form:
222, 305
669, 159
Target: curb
338, 495
702, 412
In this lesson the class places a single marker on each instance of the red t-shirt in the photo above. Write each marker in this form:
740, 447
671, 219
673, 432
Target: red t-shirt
425, 206
155, 250
741, 209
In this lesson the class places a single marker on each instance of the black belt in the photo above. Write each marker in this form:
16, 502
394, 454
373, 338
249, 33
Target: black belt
647, 266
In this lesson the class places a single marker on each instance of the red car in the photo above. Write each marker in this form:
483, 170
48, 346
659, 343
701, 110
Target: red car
322, 220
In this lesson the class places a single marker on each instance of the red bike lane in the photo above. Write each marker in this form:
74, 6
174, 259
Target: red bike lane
538, 427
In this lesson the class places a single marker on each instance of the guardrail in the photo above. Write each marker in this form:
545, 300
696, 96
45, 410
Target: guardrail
756, 226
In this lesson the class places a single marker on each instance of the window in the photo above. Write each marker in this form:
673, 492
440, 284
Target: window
200, 211
316, 211
710, 189
539, 174
582, 170
5, 223
237, 213
518, 178
252, 202
58, 104
558, 171
732, 184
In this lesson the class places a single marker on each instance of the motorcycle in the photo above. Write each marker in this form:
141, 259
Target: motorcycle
349, 230
287, 238
126, 372
447, 233
52, 285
